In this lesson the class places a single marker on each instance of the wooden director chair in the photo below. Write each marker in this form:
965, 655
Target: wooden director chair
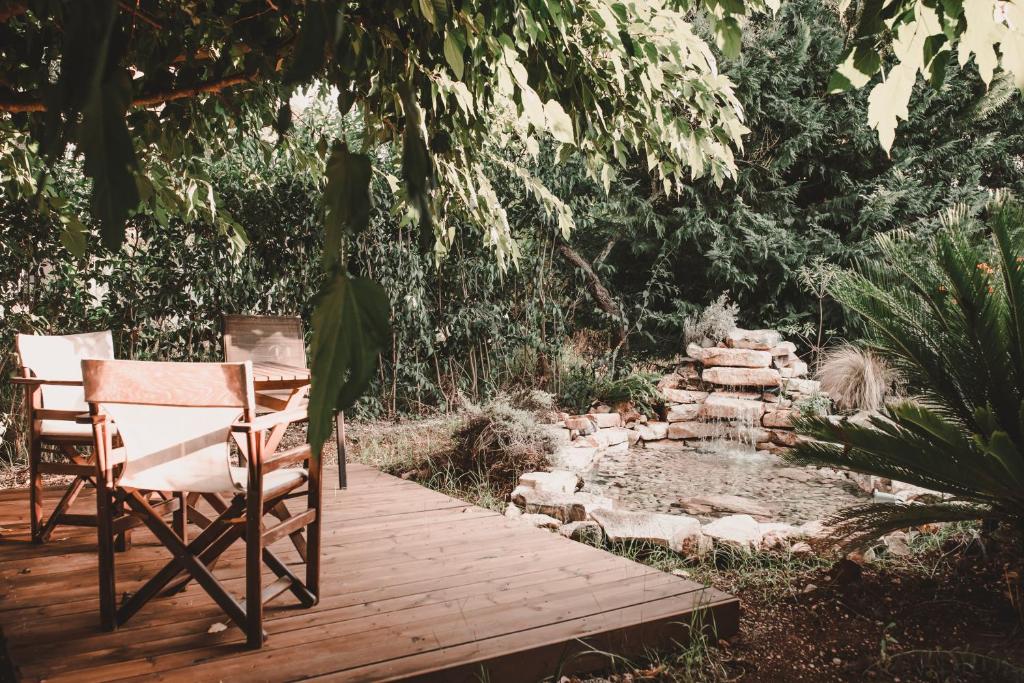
51, 372
277, 339
176, 421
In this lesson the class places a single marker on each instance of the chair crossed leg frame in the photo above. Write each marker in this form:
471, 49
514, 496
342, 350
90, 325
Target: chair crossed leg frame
241, 518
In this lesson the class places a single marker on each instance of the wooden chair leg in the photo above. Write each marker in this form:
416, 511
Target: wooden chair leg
339, 435
35, 489
254, 567
181, 517
313, 494
123, 539
105, 543
65, 502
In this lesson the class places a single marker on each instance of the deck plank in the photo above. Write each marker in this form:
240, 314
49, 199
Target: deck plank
416, 585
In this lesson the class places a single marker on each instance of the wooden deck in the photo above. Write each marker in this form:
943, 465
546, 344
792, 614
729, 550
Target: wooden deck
415, 585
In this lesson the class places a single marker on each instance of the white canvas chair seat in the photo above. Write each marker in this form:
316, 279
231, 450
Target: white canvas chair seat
173, 448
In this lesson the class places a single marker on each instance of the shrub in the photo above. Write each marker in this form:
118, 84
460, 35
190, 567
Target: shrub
855, 378
638, 388
499, 442
582, 387
713, 323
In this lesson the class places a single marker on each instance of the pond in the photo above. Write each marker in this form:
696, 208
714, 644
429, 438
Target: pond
656, 478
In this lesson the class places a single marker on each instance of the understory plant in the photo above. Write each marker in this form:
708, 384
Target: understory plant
949, 319
855, 378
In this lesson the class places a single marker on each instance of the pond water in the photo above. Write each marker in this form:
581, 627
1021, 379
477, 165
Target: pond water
655, 478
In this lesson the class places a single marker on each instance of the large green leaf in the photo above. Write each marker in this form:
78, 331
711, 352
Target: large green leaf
110, 156
350, 327
319, 31
347, 198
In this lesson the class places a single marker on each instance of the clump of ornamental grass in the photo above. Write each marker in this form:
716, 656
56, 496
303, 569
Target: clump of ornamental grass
499, 442
856, 379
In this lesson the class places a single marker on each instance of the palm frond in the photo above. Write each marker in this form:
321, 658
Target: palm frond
859, 526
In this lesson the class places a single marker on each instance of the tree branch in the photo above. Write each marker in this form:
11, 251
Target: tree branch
602, 297
28, 104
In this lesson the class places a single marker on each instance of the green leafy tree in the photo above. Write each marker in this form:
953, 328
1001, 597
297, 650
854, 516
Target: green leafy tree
948, 315
146, 94
902, 39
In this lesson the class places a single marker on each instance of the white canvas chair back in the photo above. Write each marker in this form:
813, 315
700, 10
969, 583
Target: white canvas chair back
59, 357
174, 420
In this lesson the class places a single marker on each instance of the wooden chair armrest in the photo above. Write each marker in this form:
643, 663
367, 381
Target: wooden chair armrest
39, 381
287, 457
269, 420
62, 415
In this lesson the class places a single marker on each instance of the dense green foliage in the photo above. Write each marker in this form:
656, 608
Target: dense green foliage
811, 183
145, 95
948, 314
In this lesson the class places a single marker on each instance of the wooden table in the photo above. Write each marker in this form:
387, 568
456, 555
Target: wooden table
283, 387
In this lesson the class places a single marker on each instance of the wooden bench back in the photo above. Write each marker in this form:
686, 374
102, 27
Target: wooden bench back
265, 338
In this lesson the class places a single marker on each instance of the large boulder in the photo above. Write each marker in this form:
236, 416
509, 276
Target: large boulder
725, 408
736, 358
761, 340
743, 377
682, 412
736, 531
677, 532
705, 505
555, 481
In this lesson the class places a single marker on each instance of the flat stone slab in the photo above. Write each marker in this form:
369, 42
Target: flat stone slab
555, 481
736, 358
742, 377
725, 408
699, 430
677, 532
683, 395
652, 431
802, 386
683, 412
779, 418
615, 435
704, 505
737, 531
575, 459
606, 420
761, 340
541, 521
786, 348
